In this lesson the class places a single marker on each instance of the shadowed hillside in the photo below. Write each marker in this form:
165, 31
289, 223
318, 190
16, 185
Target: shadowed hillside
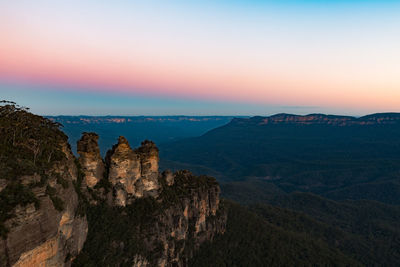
335, 156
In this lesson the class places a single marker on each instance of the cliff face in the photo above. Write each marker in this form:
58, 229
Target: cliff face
39, 222
47, 232
188, 220
161, 218
56, 210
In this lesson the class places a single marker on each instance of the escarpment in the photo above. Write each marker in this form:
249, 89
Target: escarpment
146, 218
321, 119
48, 232
57, 210
39, 222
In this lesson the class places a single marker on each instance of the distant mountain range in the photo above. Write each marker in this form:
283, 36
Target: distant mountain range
337, 157
373, 119
136, 119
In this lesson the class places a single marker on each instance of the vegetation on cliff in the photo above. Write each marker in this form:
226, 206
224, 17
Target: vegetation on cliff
29, 145
12, 195
38, 204
119, 234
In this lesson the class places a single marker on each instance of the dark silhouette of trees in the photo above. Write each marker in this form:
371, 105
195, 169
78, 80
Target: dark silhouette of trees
28, 140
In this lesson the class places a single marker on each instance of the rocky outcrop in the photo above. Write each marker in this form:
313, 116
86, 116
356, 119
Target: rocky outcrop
90, 159
164, 217
50, 202
162, 230
124, 170
148, 153
132, 173
49, 232
193, 218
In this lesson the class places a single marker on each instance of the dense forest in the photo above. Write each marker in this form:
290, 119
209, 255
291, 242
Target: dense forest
336, 157
333, 179
328, 233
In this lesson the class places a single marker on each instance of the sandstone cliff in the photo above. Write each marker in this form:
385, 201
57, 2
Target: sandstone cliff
39, 221
47, 235
56, 210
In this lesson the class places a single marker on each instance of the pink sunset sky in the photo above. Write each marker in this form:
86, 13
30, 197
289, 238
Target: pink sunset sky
339, 57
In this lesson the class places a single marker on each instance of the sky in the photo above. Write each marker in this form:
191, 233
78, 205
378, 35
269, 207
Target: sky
209, 57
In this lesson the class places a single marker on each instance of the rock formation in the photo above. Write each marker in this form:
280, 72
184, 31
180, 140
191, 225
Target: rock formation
162, 230
57, 210
148, 153
193, 218
124, 170
90, 159
132, 173
167, 215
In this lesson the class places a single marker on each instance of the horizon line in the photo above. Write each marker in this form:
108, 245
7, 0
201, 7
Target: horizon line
182, 115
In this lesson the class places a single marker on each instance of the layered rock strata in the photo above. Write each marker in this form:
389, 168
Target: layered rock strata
50, 233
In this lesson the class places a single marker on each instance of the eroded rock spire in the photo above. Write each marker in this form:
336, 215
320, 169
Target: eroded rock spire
90, 159
124, 170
